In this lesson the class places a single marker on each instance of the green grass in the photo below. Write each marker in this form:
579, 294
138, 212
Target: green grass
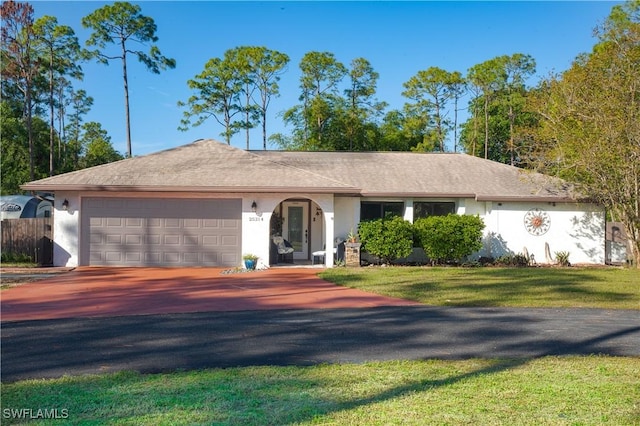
549, 391
611, 288
4, 264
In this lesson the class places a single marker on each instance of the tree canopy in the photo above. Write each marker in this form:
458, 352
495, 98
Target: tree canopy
589, 127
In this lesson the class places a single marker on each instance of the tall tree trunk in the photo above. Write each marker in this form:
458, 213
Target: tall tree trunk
475, 129
51, 111
264, 129
247, 115
486, 126
455, 124
511, 120
126, 98
32, 173
439, 127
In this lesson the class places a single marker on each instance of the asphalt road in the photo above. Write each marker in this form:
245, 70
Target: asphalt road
157, 343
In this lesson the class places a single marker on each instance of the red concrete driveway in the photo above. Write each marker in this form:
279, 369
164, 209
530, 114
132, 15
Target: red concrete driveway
103, 292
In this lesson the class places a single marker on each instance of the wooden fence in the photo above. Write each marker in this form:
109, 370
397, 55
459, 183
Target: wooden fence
31, 237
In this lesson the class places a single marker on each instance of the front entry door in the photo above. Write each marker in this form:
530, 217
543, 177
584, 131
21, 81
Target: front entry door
296, 227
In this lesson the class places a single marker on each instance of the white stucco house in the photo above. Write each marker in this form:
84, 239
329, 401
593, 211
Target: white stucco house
207, 204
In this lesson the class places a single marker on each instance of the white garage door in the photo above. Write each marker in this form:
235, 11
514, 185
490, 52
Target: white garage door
161, 232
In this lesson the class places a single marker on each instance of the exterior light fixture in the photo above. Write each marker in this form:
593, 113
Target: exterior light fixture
254, 207
65, 204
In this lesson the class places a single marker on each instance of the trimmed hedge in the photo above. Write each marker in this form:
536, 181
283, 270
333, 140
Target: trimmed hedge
389, 239
449, 238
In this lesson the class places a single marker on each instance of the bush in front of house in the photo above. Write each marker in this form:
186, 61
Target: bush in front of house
518, 259
389, 239
450, 238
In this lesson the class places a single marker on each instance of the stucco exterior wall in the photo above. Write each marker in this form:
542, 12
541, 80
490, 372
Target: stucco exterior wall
66, 230
577, 229
347, 211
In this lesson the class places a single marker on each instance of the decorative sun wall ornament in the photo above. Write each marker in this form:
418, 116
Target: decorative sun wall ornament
537, 221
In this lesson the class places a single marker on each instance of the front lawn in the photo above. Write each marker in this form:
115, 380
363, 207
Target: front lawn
571, 390
611, 288
549, 391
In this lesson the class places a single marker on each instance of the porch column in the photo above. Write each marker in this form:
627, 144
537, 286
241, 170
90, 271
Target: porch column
329, 230
408, 209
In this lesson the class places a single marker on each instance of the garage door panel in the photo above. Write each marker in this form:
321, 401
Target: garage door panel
171, 240
114, 222
229, 240
113, 239
113, 256
210, 223
133, 257
171, 257
134, 222
191, 240
172, 223
210, 241
192, 223
133, 240
171, 232
96, 238
230, 224
226, 258
152, 240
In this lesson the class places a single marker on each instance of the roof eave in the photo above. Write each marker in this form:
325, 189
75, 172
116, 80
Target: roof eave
416, 194
536, 198
200, 189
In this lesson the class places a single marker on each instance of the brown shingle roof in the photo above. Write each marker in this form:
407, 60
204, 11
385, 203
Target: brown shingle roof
211, 166
205, 165
427, 175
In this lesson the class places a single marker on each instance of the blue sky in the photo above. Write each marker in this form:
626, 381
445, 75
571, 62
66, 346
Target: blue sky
398, 38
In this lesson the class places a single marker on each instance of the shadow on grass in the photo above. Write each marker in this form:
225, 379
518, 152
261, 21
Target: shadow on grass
249, 396
486, 287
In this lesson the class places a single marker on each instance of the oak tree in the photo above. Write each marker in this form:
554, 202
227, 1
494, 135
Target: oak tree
590, 121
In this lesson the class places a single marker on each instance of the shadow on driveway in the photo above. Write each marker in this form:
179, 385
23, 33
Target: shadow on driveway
157, 343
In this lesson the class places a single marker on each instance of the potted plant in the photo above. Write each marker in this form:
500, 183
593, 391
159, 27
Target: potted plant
250, 261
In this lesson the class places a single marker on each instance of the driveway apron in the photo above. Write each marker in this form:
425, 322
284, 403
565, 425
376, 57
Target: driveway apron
108, 292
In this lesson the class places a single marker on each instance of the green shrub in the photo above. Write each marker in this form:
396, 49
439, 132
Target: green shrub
389, 238
562, 257
12, 257
449, 238
512, 260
